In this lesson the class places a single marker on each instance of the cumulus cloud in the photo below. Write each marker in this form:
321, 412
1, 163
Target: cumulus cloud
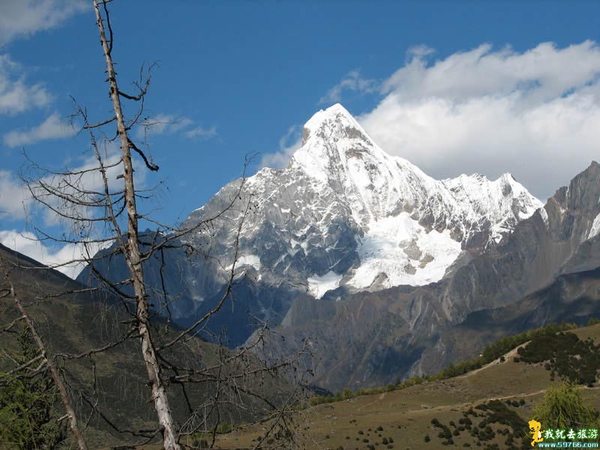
76, 244
170, 124
54, 127
352, 81
22, 18
85, 185
163, 124
535, 114
16, 96
69, 259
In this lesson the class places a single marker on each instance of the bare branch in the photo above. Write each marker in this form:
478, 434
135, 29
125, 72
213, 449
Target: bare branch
149, 164
99, 124
66, 400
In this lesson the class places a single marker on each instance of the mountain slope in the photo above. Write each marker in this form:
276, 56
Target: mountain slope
374, 338
73, 320
344, 217
409, 258
404, 417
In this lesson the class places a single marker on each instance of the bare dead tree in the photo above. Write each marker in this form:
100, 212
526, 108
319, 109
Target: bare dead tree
210, 388
131, 249
134, 256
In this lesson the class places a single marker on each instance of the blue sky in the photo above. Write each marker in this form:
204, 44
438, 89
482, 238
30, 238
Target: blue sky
453, 86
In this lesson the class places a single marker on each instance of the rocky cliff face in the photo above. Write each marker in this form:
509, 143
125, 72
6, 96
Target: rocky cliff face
343, 217
544, 271
366, 256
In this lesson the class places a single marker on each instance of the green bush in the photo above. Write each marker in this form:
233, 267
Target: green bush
564, 355
224, 427
563, 407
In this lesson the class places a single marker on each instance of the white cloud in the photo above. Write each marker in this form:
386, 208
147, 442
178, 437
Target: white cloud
535, 114
14, 197
280, 159
162, 124
22, 18
543, 72
83, 182
69, 259
16, 96
352, 81
288, 144
170, 124
85, 185
54, 127
201, 133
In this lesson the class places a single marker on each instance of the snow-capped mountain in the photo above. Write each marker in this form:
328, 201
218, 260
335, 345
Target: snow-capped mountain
547, 270
345, 213
342, 217
412, 260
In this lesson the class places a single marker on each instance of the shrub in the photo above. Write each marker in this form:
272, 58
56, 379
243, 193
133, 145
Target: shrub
566, 356
224, 427
563, 407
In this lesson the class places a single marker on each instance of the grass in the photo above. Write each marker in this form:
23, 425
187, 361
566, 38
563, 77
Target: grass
490, 353
501, 394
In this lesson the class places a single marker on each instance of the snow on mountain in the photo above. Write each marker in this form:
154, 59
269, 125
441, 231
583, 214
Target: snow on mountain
345, 213
319, 285
401, 250
595, 228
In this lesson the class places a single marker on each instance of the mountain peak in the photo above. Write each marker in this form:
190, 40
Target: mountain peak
334, 122
332, 142
335, 112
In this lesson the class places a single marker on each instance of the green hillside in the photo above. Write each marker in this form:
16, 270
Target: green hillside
485, 408
72, 320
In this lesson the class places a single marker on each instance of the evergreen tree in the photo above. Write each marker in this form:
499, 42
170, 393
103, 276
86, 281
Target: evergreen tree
28, 419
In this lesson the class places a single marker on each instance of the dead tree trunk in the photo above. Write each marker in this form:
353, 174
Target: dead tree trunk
132, 248
54, 373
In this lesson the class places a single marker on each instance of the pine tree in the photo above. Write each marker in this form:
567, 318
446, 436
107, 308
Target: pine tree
28, 417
